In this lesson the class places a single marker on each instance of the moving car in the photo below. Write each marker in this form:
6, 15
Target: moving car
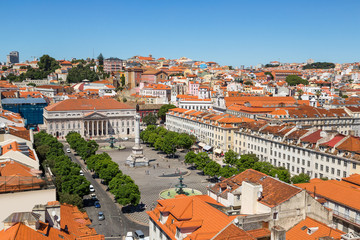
101, 216
91, 188
97, 204
81, 173
68, 150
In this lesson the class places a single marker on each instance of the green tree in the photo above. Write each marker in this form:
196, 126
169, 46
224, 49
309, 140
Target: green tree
101, 59
294, 80
190, 157
263, 167
184, 141
159, 143
281, 173
152, 138
201, 160
247, 161
163, 110
231, 157
122, 78
48, 64
270, 74
4, 68
212, 169
319, 65
81, 72
72, 199
170, 143
75, 184
227, 171
150, 119
301, 178
124, 99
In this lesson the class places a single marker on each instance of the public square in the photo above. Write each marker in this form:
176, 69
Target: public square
150, 179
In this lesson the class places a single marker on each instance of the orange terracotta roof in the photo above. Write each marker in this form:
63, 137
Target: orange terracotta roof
354, 179
351, 144
87, 104
274, 191
335, 191
311, 229
191, 211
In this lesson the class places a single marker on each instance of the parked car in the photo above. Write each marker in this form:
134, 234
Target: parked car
93, 196
68, 150
101, 216
81, 173
97, 204
129, 236
139, 234
125, 138
91, 188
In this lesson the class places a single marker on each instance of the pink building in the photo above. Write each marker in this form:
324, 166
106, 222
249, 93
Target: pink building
113, 65
194, 88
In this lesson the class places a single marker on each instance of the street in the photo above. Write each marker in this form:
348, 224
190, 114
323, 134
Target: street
115, 223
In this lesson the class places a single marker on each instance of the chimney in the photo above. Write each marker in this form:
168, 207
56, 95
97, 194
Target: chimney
278, 233
52, 214
250, 195
40, 210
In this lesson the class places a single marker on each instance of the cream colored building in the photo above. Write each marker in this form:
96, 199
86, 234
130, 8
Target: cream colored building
92, 118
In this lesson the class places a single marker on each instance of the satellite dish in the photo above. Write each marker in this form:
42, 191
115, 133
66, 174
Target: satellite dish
236, 221
53, 213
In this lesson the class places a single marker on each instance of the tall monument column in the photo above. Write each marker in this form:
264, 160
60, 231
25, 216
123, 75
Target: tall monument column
137, 158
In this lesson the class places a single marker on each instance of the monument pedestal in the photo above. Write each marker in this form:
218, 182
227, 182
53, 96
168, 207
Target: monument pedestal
137, 158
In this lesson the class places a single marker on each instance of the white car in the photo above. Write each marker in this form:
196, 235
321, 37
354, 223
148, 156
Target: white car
68, 150
129, 234
125, 138
81, 173
91, 188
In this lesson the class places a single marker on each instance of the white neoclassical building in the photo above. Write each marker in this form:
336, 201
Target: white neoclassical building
92, 118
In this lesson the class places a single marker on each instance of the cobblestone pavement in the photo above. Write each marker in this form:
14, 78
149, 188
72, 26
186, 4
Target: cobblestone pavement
148, 178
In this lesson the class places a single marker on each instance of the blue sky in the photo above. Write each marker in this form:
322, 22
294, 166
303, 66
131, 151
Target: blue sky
239, 32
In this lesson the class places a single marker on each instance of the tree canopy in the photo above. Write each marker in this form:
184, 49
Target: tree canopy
319, 65
163, 110
81, 72
294, 80
70, 186
150, 119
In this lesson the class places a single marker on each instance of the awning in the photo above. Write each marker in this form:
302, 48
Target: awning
218, 151
194, 147
207, 147
201, 144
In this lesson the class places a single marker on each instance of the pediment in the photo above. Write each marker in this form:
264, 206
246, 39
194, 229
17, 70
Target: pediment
94, 115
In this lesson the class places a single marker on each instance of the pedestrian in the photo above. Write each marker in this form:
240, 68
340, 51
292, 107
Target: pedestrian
169, 166
154, 166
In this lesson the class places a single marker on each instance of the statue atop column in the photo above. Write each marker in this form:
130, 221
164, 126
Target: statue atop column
137, 158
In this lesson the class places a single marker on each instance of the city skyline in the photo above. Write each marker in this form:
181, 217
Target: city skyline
255, 32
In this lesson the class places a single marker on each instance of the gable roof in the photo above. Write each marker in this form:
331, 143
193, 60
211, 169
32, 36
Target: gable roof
87, 104
274, 190
311, 229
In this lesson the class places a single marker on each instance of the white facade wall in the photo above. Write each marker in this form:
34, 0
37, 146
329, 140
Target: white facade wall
294, 158
23, 201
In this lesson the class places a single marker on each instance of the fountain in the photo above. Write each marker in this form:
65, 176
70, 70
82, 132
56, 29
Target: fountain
179, 188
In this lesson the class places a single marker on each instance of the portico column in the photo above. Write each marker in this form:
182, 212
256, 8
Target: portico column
88, 128
106, 128
92, 128
97, 128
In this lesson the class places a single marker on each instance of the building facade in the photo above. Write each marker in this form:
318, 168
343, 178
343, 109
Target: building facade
92, 118
12, 58
113, 65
